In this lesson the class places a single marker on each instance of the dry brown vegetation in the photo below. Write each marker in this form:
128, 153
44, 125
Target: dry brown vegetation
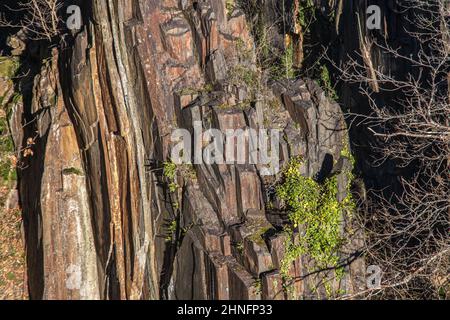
12, 255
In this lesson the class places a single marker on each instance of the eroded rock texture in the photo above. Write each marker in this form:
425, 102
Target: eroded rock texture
100, 220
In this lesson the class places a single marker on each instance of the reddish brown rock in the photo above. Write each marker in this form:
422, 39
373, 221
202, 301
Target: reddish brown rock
100, 218
272, 286
242, 285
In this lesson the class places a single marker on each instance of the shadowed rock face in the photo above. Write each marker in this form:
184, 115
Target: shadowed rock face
96, 213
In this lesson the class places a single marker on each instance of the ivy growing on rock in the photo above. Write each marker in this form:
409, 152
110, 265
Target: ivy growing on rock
170, 170
315, 211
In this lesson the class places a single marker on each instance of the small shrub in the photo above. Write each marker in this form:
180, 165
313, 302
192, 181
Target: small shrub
258, 286
172, 227
244, 51
306, 13
325, 82
313, 208
170, 172
230, 5
240, 75
284, 68
240, 247
8, 67
208, 87
288, 62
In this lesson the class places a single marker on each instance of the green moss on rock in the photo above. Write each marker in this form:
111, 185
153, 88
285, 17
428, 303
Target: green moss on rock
8, 66
72, 171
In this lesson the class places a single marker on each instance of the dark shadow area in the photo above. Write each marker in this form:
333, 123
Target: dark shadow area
7, 8
326, 169
29, 173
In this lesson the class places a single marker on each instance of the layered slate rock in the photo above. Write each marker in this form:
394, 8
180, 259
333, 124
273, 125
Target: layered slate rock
103, 220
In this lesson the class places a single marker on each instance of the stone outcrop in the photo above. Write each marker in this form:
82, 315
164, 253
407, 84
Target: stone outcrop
12, 260
101, 221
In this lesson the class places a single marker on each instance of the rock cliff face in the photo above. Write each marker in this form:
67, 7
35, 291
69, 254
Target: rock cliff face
104, 220
397, 25
338, 30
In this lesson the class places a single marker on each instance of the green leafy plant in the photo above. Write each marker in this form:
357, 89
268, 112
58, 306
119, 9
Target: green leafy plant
325, 82
170, 171
243, 75
306, 13
288, 62
244, 51
8, 172
9, 66
171, 230
346, 152
206, 88
173, 186
230, 5
258, 286
284, 68
316, 211
240, 247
